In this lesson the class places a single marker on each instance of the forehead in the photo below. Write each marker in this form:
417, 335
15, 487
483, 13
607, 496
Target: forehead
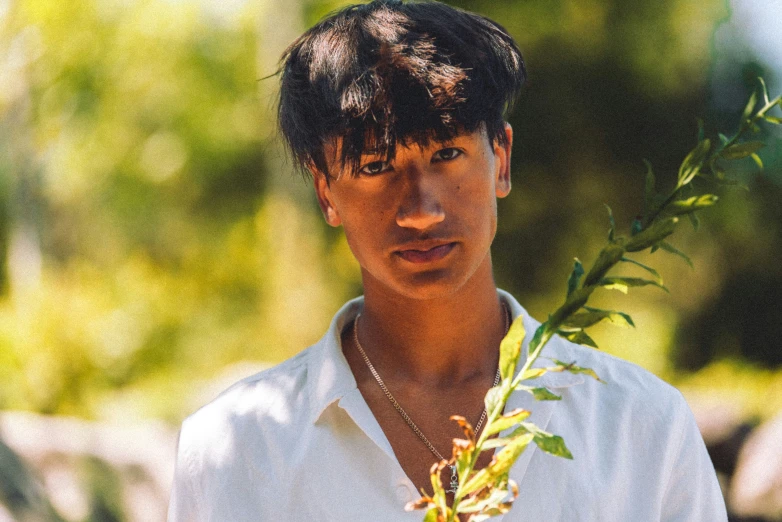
372, 151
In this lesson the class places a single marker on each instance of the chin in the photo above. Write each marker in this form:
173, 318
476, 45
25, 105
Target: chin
430, 284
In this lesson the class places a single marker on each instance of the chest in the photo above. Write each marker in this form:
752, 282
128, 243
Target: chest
426, 435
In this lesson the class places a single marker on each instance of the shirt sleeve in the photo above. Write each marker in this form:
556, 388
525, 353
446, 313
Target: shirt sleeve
693, 492
182, 506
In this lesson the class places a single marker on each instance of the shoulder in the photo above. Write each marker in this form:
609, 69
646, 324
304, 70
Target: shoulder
628, 394
256, 407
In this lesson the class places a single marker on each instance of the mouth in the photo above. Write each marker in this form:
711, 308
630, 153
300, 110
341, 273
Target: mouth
425, 253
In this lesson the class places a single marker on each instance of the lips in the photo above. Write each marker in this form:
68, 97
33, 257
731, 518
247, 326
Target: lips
425, 253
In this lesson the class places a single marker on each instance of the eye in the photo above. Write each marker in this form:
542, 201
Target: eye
447, 154
374, 168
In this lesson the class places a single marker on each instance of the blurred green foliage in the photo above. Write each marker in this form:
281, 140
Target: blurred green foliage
151, 233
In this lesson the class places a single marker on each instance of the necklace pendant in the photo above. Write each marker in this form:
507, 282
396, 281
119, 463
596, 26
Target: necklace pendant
454, 481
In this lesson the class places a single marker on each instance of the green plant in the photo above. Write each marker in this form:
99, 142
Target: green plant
487, 492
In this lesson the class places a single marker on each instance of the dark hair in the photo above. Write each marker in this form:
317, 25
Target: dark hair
388, 72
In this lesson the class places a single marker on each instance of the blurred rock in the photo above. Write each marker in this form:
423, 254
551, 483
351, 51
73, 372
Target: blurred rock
87, 467
724, 430
756, 487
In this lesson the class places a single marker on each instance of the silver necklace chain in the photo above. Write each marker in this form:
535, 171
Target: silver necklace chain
401, 410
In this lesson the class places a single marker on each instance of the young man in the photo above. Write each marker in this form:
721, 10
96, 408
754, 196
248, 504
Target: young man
397, 112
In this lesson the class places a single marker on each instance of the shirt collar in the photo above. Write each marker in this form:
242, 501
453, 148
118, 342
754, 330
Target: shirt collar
332, 379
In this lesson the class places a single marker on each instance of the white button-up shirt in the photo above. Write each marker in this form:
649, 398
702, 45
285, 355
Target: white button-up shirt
298, 442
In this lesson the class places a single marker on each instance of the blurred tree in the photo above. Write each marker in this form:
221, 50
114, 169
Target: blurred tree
151, 232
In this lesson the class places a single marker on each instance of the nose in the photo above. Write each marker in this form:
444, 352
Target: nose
420, 206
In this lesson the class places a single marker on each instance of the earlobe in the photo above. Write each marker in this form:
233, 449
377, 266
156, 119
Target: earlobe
325, 199
502, 152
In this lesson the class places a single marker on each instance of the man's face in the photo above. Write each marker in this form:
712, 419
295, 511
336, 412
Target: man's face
421, 224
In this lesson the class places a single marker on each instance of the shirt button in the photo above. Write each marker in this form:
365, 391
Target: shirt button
403, 493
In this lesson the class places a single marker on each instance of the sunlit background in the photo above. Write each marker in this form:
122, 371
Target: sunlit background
155, 246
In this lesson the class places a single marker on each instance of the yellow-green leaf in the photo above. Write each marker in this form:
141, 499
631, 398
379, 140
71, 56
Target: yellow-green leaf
757, 160
623, 284
499, 465
742, 150
493, 398
510, 348
684, 206
693, 162
533, 373
433, 515
750, 106
507, 421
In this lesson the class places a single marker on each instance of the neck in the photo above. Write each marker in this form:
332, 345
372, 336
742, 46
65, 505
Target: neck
445, 341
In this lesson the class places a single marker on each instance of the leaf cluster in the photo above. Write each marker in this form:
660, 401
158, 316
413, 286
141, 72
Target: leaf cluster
488, 492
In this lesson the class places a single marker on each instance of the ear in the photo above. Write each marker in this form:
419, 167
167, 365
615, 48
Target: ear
502, 155
325, 198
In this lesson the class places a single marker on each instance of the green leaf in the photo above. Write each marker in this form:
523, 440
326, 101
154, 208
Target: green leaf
673, 250
724, 139
685, 206
647, 268
573, 368
693, 162
541, 393
750, 106
537, 337
623, 284
572, 304
773, 119
507, 421
649, 190
510, 348
608, 257
575, 276
757, 160
591, 318
741, 150
611, 221
551, 444
579, 337
654, 234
